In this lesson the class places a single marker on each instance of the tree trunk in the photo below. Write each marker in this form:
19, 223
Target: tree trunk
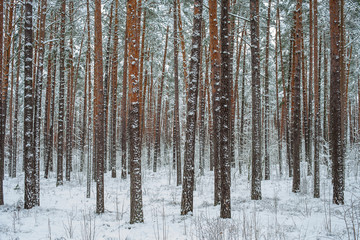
317, 64
114, 71
225, 85
215, 82
29, 158
296, 114
176, 130
308, 143
70, 86
136, 211
188, 177
256, 101
99, 112
16, 117
60, 150
124, 99
335, 106
267, 107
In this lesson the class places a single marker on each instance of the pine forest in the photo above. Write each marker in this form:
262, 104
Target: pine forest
178, 119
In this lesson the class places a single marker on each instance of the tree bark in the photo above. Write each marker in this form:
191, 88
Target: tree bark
215, 82
188, 177
225, 85
267, 107
176, 130
296, 114
99, 112
335, 106
60, 150
136, 211
29, 157
256, 101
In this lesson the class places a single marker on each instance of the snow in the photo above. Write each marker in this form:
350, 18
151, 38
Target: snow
66, 213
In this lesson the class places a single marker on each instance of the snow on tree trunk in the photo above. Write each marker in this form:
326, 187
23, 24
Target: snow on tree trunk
188, 176
256, 103
29, 157
335, 106
225, 86
215, 82
99, 109
60, 147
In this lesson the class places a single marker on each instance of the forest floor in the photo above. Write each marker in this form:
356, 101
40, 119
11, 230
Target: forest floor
66, 213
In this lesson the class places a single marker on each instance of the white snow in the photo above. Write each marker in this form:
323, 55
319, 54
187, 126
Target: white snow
66, 213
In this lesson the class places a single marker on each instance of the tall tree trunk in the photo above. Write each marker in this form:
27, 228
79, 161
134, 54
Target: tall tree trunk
29, 158
88, 64
335, 106
136, 212
225, 85
308, 143
11, 103
106, 87
60, 150
114, 71
176, 131
201, 120
124, 99
215, 82
2, 116
188, 177
99, 112
16, 117
317, 104
279, 140
296, 114
267, 107
256, 101
325, 106
38, 95
70, 86
48, 108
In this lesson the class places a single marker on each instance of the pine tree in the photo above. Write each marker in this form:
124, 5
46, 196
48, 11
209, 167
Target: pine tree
188, 176
256, 103
99, 109
29, 157
61, 112
176, 130
136, 210
296, 114
335, 106
226, 80
215, 82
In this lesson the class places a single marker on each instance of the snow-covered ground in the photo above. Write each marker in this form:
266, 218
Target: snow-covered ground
66, 213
